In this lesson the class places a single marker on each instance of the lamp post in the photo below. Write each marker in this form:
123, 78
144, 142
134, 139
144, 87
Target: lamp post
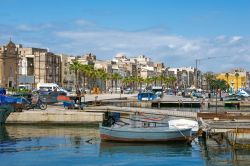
196, 69
232, 83
45, 74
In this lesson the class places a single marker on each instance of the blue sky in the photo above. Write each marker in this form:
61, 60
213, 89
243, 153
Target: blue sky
175, 32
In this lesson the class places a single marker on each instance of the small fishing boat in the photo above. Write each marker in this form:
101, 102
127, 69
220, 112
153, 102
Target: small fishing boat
113, 130
147, 134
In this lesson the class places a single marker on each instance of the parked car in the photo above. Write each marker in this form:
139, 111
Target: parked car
198, 95
127, 91
115, 90
244, 92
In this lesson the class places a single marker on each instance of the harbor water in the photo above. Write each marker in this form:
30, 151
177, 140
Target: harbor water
26, 145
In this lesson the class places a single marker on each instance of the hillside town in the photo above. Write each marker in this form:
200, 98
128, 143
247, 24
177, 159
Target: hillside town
22, 65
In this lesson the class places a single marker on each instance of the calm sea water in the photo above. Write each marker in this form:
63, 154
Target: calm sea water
79, 145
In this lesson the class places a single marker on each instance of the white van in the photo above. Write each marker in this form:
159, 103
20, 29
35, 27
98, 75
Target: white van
50, 87
47, 86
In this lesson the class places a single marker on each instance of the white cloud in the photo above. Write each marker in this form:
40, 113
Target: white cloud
175, 50
190, 47
235, 39
106, 43
26, 27
83, 22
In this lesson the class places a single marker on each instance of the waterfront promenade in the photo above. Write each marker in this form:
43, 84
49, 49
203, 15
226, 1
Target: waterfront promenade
96, 105
56, 113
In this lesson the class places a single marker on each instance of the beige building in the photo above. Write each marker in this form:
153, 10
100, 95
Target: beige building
24, 65
39, 64
68, 76
9, 61
184, 76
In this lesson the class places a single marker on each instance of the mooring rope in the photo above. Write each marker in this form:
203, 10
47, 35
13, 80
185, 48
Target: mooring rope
180, 132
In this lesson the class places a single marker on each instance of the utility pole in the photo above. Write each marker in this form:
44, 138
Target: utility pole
196, 69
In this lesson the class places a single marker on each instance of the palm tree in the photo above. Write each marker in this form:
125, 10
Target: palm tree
166, 81
148, 81
154, 78
115, 77
89, 72
237, 79
75, 66
161, 78
140, 80
209, 78
84, 69
172, 80
220, 85
133, 81
126, 81
102, 75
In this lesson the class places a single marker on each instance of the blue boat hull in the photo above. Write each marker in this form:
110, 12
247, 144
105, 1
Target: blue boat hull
5, 111
157, 134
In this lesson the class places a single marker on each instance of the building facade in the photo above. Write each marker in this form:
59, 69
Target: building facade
9, 62
24, 65
236, 78
43, 66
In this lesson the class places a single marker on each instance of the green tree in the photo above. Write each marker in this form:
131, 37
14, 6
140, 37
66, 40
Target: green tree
148, 81
116, 77
102, 75
139, 80
154, 78
133, 81
85, 70
75, 66
219, 85
126, 81
161, 78
172, 80
209, 77
166, 82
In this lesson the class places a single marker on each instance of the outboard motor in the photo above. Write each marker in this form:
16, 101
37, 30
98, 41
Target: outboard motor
110, 118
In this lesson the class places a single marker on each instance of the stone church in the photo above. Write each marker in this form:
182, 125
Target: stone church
9, 60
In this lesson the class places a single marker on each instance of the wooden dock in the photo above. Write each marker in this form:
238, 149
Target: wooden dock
180, 103
223, 122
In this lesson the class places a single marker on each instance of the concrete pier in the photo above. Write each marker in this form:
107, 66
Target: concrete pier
55, 117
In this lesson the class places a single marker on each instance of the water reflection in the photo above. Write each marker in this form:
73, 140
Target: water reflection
146, 149
221, 153
23, 131
71, 145
3, 133
22, 138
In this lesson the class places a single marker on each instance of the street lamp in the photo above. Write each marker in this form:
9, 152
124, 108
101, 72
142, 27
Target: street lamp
196, 69
45, 74
232, 83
